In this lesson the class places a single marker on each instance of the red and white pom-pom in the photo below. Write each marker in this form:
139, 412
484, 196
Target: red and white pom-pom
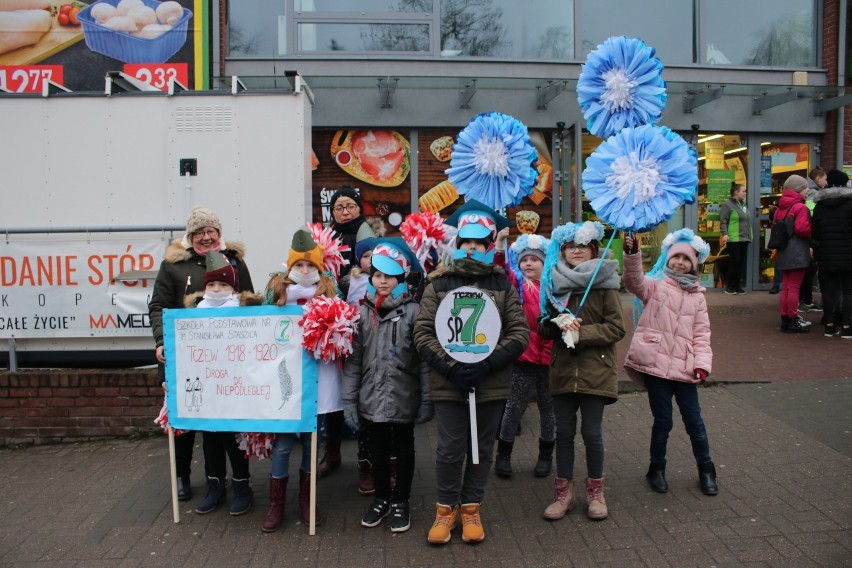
332, 248
425, 232
255, 444
328, 326
162, 419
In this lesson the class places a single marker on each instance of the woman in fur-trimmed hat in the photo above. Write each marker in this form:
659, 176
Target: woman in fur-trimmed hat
182, 274
670, 352
583, 377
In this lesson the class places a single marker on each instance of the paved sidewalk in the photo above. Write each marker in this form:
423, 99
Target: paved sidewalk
784, 501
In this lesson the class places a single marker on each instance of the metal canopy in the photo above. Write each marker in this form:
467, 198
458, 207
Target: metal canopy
466, 94
387, 87
549, 92
822, 106
760, 104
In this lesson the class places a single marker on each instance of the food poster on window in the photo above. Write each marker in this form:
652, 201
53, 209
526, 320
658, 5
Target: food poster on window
74, 43
436, 194
376, 162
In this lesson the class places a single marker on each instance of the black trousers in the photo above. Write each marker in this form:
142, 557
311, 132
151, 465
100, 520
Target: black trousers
391, 440
736, 264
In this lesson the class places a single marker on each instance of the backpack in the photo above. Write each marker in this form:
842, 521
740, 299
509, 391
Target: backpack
781, 232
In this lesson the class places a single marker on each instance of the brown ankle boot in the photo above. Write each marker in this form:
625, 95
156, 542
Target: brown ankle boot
331, 459
597, 504
275, 511
366, 482
305, 499
563, 499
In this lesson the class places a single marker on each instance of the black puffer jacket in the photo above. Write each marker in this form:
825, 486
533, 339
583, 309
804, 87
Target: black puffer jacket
832, 232
182, 274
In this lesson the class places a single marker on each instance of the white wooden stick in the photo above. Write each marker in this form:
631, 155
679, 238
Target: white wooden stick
474, 434
313, 516
173, 475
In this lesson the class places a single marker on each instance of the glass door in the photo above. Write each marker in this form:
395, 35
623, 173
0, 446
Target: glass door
779, 158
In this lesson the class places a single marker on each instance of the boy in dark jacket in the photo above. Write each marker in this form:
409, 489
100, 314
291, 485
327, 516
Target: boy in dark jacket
385, 384
460, 485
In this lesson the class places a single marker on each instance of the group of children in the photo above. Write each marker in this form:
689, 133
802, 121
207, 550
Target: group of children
560, 320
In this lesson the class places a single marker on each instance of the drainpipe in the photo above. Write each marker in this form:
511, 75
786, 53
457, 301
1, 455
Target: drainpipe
841, 77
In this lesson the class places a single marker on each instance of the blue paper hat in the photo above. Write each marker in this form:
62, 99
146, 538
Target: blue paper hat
392, 256
475, 220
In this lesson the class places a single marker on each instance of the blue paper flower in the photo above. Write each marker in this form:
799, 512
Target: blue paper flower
620, 85
492, 161
638, 178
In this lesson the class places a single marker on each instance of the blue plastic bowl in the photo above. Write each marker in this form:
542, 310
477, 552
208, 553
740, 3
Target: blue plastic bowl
129, 48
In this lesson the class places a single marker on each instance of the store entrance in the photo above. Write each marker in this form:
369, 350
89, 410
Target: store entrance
779, 159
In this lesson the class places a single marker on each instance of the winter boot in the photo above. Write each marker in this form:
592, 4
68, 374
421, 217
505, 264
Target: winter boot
503, 461
277, 498
545, 458
331, 459
305, 499
216, 489
472, 530
657, 478
707, 478
243, 497
563, 499
366, 482
446, 517
184, 489
784, 322
597, 504
794, 325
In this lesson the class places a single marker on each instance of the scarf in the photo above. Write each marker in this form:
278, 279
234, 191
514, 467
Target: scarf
300, 295
349, 227
685, 281
567, 280
231, 300
470, 268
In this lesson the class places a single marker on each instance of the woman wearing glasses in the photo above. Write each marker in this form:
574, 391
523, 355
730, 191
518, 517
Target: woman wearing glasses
181, 275
583, 370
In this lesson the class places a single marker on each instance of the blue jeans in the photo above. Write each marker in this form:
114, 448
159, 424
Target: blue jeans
660, 393
281, 449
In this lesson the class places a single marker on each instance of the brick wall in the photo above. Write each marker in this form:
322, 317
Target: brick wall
66, 405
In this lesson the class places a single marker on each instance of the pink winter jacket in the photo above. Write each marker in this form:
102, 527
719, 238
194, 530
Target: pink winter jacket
672, 338
538, 351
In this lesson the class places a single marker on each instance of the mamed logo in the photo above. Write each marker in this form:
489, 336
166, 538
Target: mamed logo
468, 324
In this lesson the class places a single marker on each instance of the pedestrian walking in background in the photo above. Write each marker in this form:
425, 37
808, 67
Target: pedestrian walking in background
583, 376
832, 237
670, 353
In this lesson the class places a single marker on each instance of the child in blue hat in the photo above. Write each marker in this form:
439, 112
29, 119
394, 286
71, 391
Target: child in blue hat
461, 483
385, 384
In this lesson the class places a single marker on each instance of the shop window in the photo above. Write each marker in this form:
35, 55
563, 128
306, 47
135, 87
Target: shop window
779, 33
363, 6
364, 37
256, 28
662, 24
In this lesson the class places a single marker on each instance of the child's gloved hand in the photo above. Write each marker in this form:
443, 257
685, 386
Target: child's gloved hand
350, 414
425, 413
701, 375
631, 244
468, 376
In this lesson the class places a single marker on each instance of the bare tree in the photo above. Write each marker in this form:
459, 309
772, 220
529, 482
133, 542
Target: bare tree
787, 42
396, 37
555, 43
472, 26
239, 43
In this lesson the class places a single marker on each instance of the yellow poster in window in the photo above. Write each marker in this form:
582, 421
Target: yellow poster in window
714, 154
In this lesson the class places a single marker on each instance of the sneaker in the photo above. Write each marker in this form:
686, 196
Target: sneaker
730, 292
846, 332
379, 509
830, 330
814, 307
803, 322
741, 291
400, 517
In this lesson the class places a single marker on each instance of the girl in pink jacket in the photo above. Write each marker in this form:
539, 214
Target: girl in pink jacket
670, 352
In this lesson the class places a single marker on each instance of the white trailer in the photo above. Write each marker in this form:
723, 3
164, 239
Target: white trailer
95, 185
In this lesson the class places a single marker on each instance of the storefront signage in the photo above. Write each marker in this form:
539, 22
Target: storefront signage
68, 288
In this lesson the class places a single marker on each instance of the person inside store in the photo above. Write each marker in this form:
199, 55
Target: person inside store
832, 234
735, 235
350, 225
181, 274
794, 259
